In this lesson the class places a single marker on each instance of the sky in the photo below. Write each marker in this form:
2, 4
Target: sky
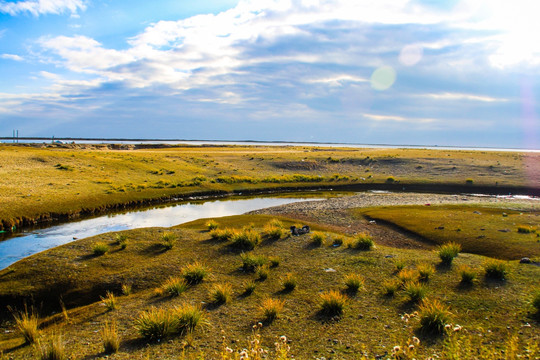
399, 72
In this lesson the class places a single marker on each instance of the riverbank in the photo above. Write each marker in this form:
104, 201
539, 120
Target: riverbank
43, 183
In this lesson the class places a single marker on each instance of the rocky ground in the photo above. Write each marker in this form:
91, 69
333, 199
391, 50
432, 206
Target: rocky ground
335, 213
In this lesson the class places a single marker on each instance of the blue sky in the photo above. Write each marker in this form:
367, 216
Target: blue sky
424, 72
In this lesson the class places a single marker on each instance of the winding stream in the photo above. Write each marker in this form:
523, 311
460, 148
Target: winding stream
31, 242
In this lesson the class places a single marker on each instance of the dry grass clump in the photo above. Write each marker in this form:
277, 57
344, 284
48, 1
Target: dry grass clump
121, 240
52, 350
271, 308
174, 286
194, 273
425, 271
398, 265
252, 262
496, 269
536, 300
157, 324
524, 229
212, 225
109, 301
249, 287
221, 234
407, 275
362, 242
126, 289
433, 317
262, 272
332, 303
168, 240
467, 274
447, 252
317, 238
274, 229
354, 282
100, 248
289, 283
246, 239
27, 324
109, 336
221, 294
414, 291
274, 261
391, 286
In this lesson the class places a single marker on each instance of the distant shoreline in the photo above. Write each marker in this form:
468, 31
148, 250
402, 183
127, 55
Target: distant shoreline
33, 139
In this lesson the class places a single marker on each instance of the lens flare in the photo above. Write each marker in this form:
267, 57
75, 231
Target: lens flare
383, 78
411, 54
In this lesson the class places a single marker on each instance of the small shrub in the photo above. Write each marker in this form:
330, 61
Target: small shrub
246, 239
109, 301
123, 244
249, 287
447, 252
391, 286
536, 300
407, 275
174, 286
120, 238
168, 240
100, 249
425, 271
332, 303
274, 261
157, 324
317, 238
221, 235
194, 273
27, 324
212, 225
363, 242
433, 317
109, 336
496, 269
262, 272
221, 293
273, 232
271, 308
126, 289
276, 223
52, 350
469, 181
467, 274
390, 179
251, 262
415, 291
289, 283
353, 282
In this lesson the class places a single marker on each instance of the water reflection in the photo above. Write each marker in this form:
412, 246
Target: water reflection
34, 241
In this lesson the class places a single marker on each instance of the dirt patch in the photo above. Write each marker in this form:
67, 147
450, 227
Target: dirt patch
299, 165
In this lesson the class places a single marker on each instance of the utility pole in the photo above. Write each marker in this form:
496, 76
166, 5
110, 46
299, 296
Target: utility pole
17, 136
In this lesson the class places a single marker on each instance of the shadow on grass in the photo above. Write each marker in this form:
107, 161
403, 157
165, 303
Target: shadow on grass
325, 317
465, 286
154, 249
443, 267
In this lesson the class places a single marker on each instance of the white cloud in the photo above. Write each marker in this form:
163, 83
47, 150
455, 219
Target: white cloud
394, 118
41, 7
12, 57
462, 96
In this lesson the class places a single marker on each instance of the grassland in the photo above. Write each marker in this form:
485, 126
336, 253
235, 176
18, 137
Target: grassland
487, 316
45, 182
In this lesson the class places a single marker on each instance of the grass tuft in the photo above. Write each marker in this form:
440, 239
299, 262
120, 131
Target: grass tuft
289, 283
317, 238
536, 300
189, 317
27, 324
433, 317
363, 242
399, 265
425, 271
212, 225
249, 287
391, 286
168, 240
271, 308
174, 286
221, 294
100, 249
53, 350
246, 239
262, 272
109, 336
415, 291
524, 229
332, 303
274, 232
467, 274
194, 273
251, 262
109, 301
496, 269
407, 275
447, 252
126, 289
221, 234
354, 282
157, 324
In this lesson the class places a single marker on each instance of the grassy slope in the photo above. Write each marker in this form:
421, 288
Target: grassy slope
480, 230
489, 311
45, 181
